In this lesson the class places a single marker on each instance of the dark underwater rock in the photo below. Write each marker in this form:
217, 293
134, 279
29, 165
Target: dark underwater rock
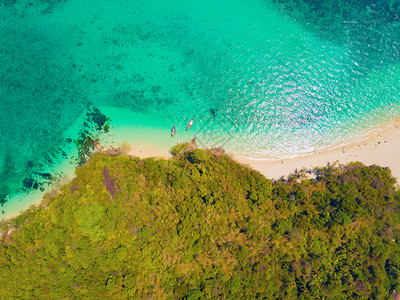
30, 183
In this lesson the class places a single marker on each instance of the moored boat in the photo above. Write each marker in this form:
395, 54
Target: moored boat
190, 124
173, 131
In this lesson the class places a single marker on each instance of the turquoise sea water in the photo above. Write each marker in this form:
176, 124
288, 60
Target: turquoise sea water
263, 78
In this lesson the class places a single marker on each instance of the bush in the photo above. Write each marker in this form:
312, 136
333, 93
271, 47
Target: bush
202, 226
197, 156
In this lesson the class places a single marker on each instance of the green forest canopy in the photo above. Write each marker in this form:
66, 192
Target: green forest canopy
200, 225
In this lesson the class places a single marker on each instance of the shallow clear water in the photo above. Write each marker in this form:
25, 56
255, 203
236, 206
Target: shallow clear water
264, 78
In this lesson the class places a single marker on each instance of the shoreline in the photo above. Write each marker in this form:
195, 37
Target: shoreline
377, 146
374, 146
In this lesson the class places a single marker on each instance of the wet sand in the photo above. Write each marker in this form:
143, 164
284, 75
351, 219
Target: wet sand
380, 146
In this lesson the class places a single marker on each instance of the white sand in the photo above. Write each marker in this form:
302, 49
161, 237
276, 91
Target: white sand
144, 151
380, 147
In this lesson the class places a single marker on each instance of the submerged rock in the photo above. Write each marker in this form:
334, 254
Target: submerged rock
213, 112
30, 183
45, 175
3, 199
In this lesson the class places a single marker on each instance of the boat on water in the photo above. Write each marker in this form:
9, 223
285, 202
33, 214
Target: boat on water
190, 124
173, 131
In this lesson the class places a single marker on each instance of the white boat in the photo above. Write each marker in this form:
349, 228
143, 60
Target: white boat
190, 124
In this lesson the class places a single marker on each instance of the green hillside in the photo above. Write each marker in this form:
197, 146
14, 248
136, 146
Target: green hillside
202, 226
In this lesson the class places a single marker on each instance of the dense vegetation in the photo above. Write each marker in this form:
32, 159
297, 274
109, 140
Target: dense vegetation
202, 226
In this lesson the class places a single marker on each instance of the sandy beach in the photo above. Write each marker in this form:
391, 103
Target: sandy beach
379, 146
